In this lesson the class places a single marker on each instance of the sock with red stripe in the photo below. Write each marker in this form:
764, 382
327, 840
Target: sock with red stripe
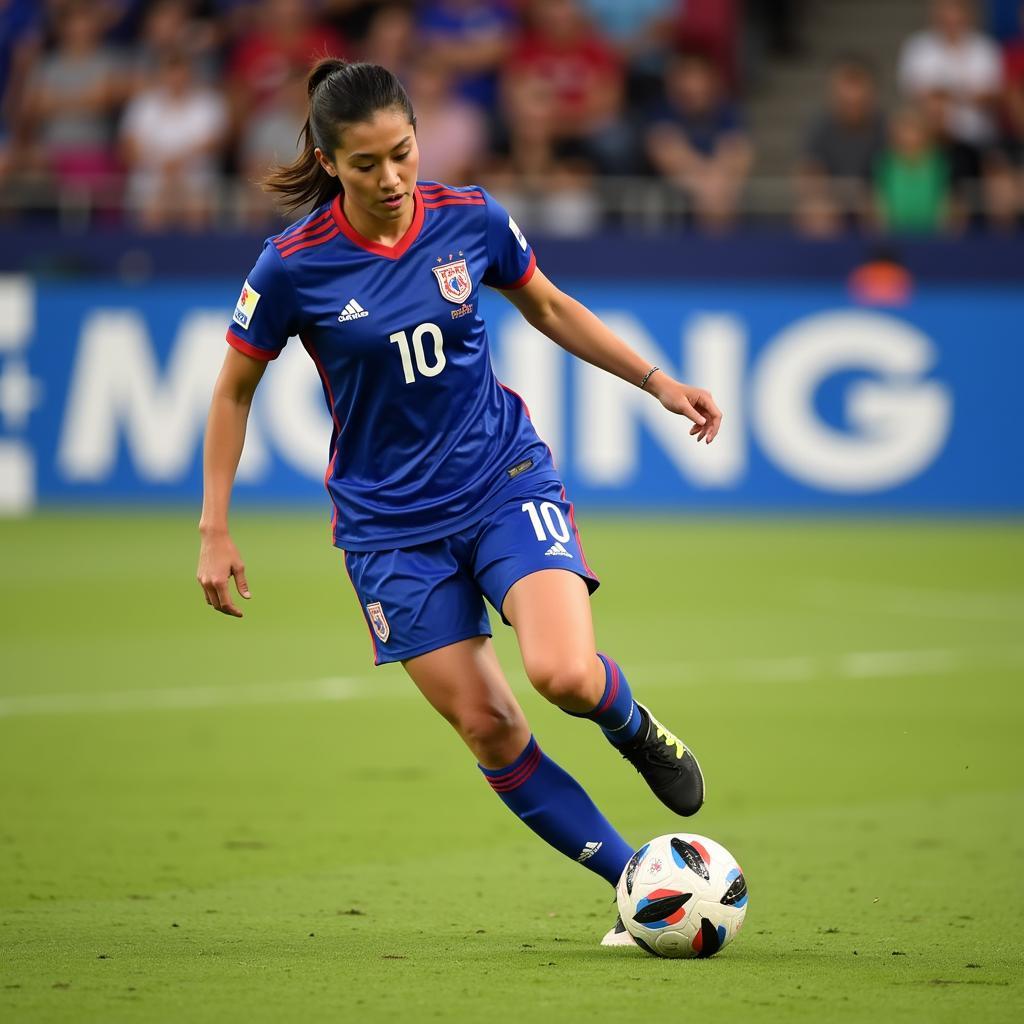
616, 712
558, 809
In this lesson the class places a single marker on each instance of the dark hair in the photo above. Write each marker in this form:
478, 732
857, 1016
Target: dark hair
339, 93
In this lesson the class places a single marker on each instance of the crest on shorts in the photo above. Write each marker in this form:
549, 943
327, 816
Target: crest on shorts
379, 621
454, 281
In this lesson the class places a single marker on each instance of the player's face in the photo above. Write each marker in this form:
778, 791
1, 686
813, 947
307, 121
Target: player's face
377, 164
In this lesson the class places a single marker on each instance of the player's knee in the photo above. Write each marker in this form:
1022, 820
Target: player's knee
561, 679
488, 731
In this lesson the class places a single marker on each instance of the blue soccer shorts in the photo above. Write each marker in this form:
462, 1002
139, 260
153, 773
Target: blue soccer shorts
421, 598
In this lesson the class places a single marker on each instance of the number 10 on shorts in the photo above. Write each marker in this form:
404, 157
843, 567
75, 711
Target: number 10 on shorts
549, 518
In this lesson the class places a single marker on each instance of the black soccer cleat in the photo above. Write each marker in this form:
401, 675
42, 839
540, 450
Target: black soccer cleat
667, 766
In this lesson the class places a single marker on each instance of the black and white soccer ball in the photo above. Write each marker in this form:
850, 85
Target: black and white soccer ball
682, 895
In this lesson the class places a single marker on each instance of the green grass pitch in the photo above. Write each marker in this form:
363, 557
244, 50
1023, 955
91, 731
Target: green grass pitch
204, 819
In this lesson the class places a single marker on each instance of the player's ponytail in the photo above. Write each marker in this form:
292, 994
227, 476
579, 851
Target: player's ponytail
339, 93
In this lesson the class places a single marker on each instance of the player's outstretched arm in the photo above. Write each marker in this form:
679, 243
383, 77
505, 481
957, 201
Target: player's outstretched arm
219, 559
571, 325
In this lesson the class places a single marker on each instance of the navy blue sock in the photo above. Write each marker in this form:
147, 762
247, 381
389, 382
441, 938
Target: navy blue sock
556, 807
616, 712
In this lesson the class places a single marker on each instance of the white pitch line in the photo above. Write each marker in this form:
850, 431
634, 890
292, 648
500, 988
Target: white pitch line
831, 667
840, 666
870, 664
180, 698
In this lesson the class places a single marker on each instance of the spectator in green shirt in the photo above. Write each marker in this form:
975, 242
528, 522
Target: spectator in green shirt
912, 182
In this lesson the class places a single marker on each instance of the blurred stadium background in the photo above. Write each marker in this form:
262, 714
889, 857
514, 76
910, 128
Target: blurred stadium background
813, 208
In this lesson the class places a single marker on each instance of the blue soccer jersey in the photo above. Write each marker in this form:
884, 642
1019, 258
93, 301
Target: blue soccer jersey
425, 440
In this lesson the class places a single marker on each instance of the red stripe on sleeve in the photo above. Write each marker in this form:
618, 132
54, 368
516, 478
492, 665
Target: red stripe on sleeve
525, 279
305, 236
427, 205
250, 350
438, 191
333, 233
292, 234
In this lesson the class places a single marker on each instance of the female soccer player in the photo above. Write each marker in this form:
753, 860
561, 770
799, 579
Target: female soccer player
442, 492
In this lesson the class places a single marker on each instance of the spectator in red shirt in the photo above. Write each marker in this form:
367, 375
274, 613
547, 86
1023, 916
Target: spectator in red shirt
711, 27
584, 76
285, 41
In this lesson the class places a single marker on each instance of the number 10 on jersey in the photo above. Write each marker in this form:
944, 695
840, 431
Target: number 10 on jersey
416, 351
550, 516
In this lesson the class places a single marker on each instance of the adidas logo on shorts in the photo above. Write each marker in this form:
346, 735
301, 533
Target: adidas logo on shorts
352, 311
558, 549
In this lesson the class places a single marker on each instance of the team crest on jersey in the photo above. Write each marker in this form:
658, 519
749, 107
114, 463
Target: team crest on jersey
379, 621
454, 281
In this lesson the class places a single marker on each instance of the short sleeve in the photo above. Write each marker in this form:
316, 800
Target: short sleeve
510, 258
266, 314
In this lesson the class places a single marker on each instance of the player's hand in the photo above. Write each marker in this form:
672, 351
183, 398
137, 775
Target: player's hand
694, 403
219, 560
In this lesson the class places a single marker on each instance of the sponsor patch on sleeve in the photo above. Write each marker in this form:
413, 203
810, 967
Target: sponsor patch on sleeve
246, 305
514, 228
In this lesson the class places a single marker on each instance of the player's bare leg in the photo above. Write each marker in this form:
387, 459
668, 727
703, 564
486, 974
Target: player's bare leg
550, 612
464, 682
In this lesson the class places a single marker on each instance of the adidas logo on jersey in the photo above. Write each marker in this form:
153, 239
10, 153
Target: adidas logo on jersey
352, 311
558, 549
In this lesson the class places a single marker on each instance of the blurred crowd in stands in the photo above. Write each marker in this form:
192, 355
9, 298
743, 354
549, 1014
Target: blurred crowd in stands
950, 152
578, 113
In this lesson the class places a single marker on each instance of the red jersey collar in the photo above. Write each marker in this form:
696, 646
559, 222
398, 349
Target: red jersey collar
390, 251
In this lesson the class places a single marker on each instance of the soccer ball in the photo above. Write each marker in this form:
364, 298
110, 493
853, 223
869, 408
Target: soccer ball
682, 895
